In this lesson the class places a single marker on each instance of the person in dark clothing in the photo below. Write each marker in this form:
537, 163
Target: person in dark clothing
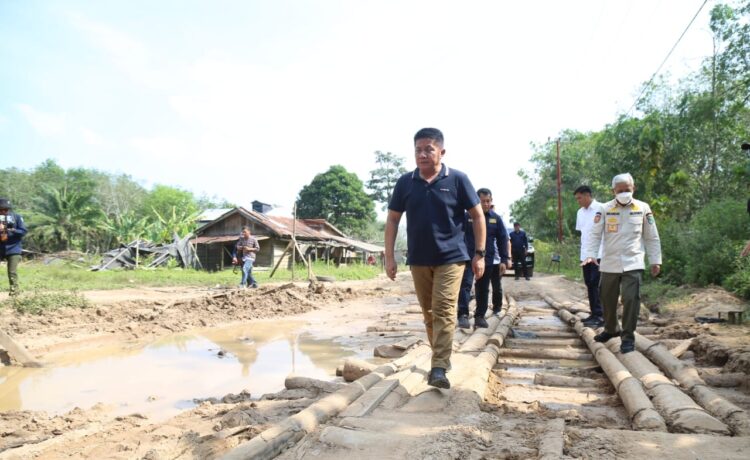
12, 230
496, 239
519, 247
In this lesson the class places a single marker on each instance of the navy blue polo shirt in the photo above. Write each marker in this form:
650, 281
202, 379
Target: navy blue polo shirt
518, 241
434, 215
497, 235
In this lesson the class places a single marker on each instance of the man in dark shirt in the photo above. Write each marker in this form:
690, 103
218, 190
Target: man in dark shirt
12, 229
519, 247
497, 237
434, 198
244, 254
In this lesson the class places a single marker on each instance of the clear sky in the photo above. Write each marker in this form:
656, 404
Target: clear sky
250, 99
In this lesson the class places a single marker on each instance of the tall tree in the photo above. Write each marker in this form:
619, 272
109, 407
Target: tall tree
338, 196
384, 177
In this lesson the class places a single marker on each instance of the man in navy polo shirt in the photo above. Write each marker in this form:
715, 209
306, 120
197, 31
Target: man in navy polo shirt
434, 198
497, 240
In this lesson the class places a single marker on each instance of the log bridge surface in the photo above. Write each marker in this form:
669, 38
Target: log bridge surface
536, 360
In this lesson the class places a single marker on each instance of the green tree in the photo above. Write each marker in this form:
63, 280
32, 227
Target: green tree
384, 177
65, 218
162, 199
338, 196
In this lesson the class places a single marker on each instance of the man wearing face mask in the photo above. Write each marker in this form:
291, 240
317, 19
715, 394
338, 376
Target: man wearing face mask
623, 230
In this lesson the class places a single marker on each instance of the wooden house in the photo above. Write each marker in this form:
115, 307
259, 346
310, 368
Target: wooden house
317, 238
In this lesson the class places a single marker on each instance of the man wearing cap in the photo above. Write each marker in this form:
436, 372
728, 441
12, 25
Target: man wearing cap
587, 214
12, 230
625, 229
497, 240
434, 198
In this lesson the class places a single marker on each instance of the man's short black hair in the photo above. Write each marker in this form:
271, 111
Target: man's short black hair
429, 133
484, 191
516, 223
583, 189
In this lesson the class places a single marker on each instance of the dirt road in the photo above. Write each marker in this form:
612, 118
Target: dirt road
509, 411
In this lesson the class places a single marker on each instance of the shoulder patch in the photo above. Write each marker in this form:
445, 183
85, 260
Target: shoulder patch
650, 218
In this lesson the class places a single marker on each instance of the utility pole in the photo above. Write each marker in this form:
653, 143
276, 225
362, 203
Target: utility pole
559, 196
294, 238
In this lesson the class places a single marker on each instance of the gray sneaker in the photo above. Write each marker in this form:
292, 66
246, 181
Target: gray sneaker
463, 322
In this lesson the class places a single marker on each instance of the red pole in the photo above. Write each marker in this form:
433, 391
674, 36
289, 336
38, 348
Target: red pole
559, 196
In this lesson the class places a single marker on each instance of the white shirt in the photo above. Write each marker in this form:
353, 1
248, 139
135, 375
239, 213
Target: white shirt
625, 233
584, 223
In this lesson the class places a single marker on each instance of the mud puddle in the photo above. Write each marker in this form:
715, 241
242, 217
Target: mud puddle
161, 378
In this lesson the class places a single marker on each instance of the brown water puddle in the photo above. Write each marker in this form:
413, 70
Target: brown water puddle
163, 377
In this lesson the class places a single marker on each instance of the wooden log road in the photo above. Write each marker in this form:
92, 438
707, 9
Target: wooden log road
537, 357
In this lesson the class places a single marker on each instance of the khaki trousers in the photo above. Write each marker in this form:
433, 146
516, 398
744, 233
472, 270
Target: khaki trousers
437, 290
611, 284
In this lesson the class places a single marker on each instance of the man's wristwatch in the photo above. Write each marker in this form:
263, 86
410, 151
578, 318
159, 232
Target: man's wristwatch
481, 252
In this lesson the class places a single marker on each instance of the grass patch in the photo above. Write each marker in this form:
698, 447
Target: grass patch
37, 302
570, 265
65, 276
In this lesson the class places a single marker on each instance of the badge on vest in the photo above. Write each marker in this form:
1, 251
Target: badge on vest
612, 228
493, 221
598, 218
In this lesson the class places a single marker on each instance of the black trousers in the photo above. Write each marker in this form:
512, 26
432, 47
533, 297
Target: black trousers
497, 289
481, 292
519, 261
591, 277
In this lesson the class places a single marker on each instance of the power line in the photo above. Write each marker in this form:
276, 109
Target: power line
643, 89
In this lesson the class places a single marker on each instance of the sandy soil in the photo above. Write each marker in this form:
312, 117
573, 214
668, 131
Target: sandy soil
503, 426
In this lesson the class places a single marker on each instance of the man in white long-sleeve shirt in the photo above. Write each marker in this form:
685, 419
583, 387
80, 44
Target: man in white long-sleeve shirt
625, 228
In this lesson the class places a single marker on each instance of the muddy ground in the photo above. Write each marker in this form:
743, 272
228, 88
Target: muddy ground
495, 429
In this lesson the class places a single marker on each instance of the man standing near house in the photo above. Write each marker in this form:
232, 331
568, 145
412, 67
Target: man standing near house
496, 240
626, 228
519, 247
434, 198
587, 214
244, 251
12, 230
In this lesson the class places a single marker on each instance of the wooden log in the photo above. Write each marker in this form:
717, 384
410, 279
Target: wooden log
285, 434
546, 354
556, 380
551, 442
277, 289
641, 411
545, 342
295, 382
679, 410
356, 368
478, 339
384, 328
519, 332
681, 348
407, 343
18, 351
512, 314
688, 377
479, 378
732, 380
366, 403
